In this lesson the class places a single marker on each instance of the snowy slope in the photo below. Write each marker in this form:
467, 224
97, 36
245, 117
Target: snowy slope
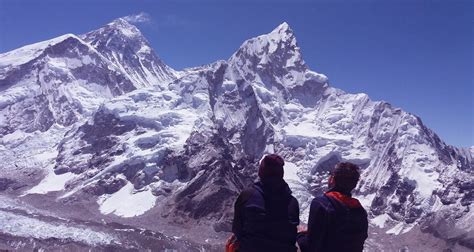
66, 80
26, 53
51, 85
184, 144
61, 79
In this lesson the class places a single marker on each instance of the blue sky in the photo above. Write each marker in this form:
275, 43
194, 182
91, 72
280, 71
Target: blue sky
417, 55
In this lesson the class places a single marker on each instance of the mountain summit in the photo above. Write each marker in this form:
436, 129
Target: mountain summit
270, 54
97, 124
124, 45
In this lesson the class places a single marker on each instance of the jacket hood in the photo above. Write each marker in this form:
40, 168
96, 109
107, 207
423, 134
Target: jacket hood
274, 188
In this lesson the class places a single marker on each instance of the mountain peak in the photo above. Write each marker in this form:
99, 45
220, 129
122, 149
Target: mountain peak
280, 40
283, 32
121, 23
119, 30
26, 53
283, 28
123, 44
124, 27
275, 50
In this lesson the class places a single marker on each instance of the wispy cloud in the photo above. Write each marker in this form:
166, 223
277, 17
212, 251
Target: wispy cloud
161, 21
141, 17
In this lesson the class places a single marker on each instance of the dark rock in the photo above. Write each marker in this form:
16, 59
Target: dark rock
6, 183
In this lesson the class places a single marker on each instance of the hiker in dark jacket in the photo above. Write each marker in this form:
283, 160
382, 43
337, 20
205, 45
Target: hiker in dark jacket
266, 215
337, 222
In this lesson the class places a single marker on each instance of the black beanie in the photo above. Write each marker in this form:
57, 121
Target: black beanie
271, 166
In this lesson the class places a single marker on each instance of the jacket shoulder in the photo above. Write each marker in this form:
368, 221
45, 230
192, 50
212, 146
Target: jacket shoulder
251, 197
293, 200
322, 202
246, 194
293, 205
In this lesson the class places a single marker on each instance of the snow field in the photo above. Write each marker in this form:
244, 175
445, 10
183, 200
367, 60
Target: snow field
127, 202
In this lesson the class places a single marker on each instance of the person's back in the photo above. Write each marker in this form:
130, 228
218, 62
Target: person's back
337, 222
266, 215
346, 223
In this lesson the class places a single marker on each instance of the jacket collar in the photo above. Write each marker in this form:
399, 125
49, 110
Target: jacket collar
344, 199
337, 189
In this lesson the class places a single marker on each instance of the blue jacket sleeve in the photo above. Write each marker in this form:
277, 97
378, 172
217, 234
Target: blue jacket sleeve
237, 221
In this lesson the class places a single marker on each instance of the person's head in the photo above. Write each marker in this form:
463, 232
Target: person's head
271, 166
344, 176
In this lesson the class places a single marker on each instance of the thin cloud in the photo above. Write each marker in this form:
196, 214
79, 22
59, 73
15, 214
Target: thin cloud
141, 17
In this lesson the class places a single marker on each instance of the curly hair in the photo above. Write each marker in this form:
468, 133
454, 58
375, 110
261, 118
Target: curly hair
346, 175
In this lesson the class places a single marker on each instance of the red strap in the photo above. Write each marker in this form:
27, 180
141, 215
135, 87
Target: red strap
232, 244
344, 199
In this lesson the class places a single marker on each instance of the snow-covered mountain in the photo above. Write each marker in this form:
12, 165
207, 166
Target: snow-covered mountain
69, 76
124, 45
138, 140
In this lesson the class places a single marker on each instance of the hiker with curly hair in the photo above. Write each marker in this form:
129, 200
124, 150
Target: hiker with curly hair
337, 222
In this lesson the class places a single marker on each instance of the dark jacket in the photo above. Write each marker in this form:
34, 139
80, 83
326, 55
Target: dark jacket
265, 217
336, 222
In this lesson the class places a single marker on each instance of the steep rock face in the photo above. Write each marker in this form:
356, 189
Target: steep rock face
272, 64
405, 166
